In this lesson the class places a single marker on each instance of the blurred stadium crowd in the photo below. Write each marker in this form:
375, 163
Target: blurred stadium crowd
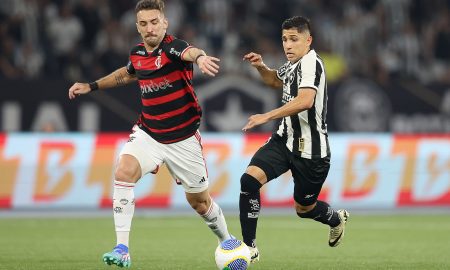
85, 39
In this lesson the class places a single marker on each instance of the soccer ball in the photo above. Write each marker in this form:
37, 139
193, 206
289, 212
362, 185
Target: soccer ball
232, 254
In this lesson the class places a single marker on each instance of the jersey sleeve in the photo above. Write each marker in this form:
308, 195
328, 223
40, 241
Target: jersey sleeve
176, 49
307, 74
130, 68
281, 72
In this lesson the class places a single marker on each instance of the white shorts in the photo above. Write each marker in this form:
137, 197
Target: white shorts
184, 159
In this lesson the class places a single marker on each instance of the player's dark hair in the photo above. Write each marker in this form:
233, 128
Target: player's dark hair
150, 4
302, 24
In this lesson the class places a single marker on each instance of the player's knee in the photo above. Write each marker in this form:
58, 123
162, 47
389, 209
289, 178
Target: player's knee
126, 174
200, 202
304, 211
249, 184
201, 207
128, 169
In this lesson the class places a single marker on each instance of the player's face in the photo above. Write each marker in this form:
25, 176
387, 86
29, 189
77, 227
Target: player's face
295, 44
152, 26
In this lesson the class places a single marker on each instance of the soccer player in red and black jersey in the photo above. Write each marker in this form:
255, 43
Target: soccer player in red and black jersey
167, 129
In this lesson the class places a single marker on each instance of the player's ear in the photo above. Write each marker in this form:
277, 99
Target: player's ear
137, 28
309, 39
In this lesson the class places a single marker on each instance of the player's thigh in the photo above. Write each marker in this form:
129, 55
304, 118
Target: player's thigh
309, 177
270, 161
186, 163
144, 149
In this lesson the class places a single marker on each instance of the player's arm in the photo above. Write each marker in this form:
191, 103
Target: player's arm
207, 64
304, 101
268, 75
116, 78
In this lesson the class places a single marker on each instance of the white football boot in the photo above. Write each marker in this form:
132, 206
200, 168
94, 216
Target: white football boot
337, 233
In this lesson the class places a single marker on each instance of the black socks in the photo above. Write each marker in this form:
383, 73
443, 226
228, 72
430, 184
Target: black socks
323, 213
249, 207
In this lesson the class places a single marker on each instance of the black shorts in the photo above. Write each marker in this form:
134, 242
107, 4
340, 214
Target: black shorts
274, 158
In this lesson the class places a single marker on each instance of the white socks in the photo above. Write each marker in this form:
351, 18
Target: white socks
123, 207
216, 222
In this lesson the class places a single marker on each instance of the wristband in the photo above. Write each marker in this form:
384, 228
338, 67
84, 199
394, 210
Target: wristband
198, 56
93, 86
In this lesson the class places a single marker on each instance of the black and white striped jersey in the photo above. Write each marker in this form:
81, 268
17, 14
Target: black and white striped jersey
306, 132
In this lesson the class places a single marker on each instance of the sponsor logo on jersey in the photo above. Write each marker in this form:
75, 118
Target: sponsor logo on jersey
173, 51
155, 87
282, 70
287, 97
140, 52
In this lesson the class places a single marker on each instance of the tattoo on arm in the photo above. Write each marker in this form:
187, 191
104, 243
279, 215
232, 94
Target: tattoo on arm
120, 80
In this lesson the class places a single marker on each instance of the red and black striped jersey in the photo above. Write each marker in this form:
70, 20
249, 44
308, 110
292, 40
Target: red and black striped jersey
170, 109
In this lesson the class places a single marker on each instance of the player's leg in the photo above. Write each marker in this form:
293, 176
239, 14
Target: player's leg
126, 175
249, 207
309, 176
186, 163
269, 162
132, 164
211, 213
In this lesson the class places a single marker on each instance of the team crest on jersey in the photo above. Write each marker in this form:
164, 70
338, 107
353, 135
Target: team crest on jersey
158, 61
139, 63
291, 77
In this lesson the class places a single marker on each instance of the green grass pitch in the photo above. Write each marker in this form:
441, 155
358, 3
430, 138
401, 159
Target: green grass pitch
285, 242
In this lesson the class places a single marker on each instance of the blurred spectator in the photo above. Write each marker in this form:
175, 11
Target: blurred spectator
65, 31
111, 47
8, 67
379, 39
30, 60
442, 46
214, 22
87, 12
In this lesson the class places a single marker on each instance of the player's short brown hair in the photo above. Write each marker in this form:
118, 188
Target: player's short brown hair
150, 4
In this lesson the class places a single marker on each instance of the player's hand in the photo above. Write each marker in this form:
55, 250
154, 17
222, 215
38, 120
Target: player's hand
79, 89
256, 120
208, 65
254, 59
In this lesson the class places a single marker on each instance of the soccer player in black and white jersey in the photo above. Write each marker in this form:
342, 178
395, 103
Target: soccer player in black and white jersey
167, 129
300, 144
